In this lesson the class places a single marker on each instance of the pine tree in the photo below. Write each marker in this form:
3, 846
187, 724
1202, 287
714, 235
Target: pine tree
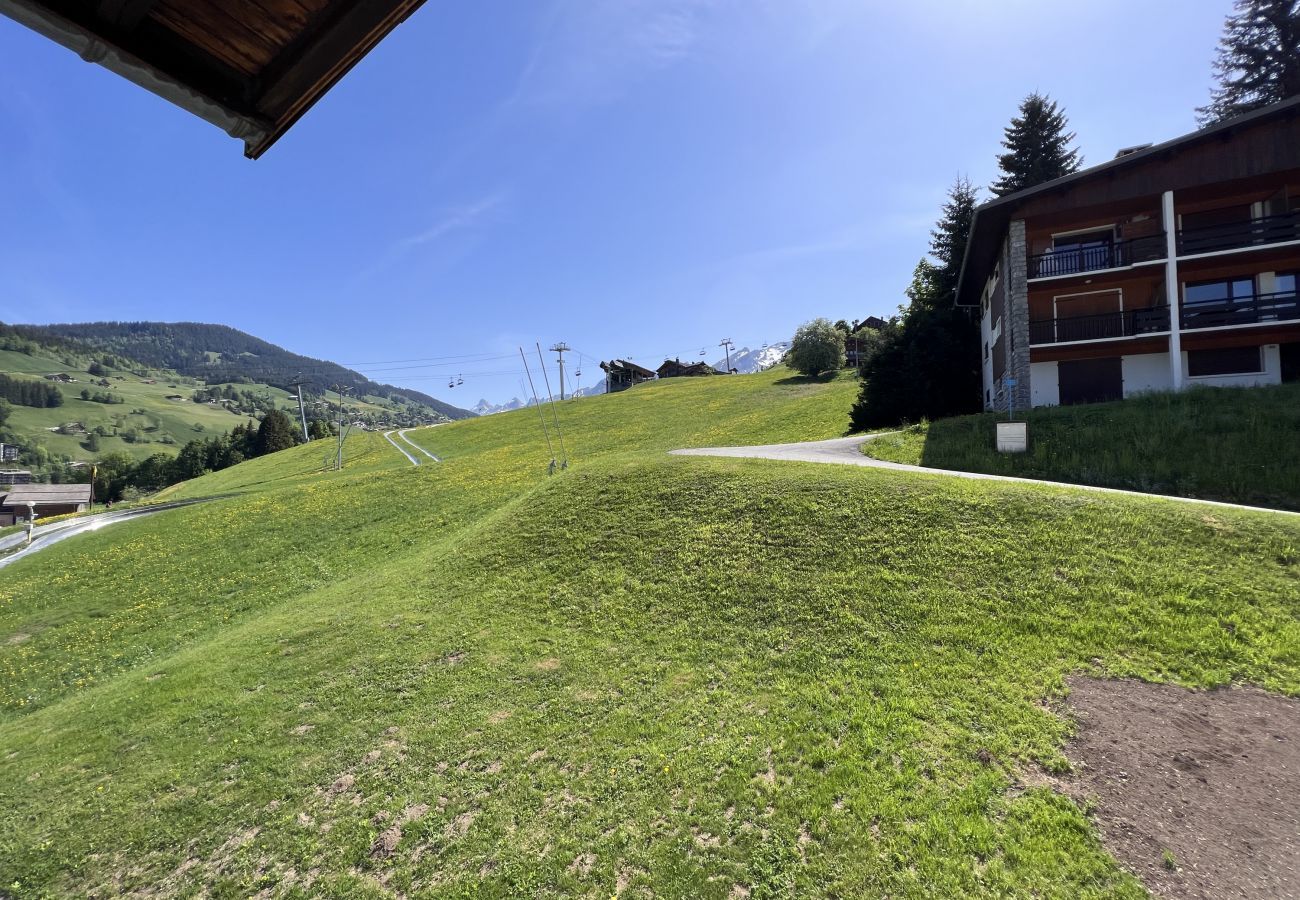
275, 433
1258, 62
948, 239
1038, 147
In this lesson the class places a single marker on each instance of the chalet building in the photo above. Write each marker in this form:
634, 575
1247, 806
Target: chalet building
675, 368
8, 452
44, 500
620, 374
15, 476
1166, 267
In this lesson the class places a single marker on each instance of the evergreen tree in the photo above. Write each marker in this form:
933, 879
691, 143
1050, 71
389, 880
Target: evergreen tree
928, 365
1038, 147
1258, 62
275, 433
948, 239
92, 443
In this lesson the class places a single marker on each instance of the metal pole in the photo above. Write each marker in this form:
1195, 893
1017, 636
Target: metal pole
538, 404
564, 454
302, 411
561, 348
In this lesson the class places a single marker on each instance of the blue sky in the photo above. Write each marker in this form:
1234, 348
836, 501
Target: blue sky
636, 177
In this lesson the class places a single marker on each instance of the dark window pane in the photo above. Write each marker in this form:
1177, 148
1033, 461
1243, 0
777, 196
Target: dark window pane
1208, 292
1285, 283
1225, 361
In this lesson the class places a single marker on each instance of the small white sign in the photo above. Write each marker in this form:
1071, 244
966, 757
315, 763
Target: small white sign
1013, 437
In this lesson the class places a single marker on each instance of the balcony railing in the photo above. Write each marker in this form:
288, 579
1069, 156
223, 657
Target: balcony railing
1233, 235
1128, 323
1277, 307
1118, 255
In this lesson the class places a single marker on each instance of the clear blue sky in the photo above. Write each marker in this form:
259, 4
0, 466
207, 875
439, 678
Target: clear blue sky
636, 177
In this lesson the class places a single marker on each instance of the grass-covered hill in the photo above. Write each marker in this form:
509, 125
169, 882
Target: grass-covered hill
1233, 444
647, 675
153, 409
219, 354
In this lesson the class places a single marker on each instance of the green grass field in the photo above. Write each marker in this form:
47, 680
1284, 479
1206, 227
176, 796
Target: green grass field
692, 677
1238, 445
160, 419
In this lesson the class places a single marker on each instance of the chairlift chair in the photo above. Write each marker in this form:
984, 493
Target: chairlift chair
460, 379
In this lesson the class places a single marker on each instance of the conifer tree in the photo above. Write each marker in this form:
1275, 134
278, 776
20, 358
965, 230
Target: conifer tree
948, 239
1258, 62
1038, 144
275, 433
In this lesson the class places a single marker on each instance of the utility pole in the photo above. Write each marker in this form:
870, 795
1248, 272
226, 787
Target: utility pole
561, 348
297, 383
727, 345
338, 459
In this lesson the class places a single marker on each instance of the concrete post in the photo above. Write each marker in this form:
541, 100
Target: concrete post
1016, 271
1171, 290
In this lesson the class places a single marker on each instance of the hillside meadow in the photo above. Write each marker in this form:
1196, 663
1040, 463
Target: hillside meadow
647, 675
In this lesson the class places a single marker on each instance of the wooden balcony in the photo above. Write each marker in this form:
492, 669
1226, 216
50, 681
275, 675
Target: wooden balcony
1278, 229
1253, 310
1112, 255
1102, 326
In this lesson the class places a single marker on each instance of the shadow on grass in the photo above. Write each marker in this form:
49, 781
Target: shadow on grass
820, 378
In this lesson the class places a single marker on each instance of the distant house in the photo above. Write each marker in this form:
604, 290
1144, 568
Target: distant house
45, 499
875, 323
675, 368
853, 356
620, 374
63, 377
15, 476
8, 452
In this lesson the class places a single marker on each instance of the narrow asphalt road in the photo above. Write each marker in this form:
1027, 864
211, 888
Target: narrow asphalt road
388, 436
402, 434
45, 535
847, 451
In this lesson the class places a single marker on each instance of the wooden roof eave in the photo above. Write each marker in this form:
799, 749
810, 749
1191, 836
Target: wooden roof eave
254, 131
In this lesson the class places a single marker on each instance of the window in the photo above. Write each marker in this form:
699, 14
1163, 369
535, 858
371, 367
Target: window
986, 349
1285, 282
1082, 251
1218, 291
1224, 361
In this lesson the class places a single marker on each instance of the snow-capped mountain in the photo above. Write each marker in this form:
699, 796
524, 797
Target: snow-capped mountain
746, 361
483, 408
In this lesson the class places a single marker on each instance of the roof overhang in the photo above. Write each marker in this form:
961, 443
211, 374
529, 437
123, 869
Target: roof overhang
252, 69
990, 221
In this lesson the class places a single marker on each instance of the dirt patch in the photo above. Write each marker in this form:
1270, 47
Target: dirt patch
1195, 790
549, 664
18, 638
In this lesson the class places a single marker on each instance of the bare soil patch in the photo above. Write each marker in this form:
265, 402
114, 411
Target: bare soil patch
1195, 790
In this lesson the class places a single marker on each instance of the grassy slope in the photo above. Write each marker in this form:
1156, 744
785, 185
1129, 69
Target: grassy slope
669, 673
176, 418
1237, 445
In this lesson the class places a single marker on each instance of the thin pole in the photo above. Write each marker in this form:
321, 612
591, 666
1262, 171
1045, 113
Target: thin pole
302, 410
564, 454
538, 404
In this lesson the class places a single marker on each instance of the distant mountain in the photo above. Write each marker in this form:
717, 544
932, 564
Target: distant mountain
746, 361
218, 354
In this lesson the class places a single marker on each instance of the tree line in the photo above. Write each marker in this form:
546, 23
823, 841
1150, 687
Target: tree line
27, 392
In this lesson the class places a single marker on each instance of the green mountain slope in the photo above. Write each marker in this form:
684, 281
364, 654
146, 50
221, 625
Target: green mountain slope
692, 677
218, 354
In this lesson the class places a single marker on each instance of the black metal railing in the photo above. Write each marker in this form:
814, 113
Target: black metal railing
1129, 323
1120, 254
1267, 230
1276, 307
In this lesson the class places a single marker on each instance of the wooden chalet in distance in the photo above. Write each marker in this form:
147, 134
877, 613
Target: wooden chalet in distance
675, 368
252, 67
621, 374
1168, 266
43, 500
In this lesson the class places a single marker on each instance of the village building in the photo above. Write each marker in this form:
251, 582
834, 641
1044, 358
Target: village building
15, 476
675, 368
8, 452
1169, 266
621, 374
43, 500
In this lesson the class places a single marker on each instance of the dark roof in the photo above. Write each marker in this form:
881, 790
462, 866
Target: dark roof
251, 67
991, 219
626, 366
43, 494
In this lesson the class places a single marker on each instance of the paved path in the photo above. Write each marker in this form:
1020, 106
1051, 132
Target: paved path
847, 451
402, 434
45, 535
388, 436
